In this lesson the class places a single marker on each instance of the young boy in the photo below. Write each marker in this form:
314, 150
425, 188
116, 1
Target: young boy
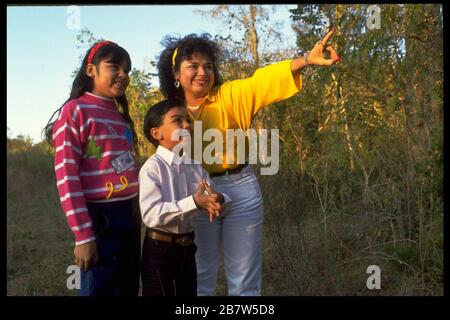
172, 189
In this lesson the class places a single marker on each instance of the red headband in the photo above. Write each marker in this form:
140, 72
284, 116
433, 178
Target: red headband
95, 49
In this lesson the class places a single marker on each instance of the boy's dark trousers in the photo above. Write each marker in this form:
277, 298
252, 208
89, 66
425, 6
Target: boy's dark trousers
168, 268
117, 227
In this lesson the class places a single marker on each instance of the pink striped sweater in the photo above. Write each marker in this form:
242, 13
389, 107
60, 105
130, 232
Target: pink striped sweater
93, 156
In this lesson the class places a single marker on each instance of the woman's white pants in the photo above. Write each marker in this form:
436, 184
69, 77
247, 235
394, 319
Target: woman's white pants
238, 233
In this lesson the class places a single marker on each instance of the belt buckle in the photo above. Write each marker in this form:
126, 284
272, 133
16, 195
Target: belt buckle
185, 241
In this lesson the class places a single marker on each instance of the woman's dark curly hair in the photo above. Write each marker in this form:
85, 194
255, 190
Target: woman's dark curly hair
186, 46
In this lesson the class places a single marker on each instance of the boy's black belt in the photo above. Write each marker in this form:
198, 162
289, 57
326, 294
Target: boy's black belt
229, 171
183, 239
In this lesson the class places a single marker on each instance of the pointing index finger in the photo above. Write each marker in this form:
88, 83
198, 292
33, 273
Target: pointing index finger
327, 36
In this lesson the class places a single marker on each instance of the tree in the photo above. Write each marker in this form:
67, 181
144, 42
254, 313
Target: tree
141, 95
252, 37
384, 99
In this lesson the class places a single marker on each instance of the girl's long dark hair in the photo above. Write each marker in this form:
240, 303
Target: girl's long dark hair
83, 83
186, 47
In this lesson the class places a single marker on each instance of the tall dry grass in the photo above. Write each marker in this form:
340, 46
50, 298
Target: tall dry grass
321, 232
39, 245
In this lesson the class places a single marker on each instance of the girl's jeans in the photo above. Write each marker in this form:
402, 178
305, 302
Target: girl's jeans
117, 227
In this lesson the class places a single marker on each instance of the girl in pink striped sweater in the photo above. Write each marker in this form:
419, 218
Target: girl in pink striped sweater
96, 174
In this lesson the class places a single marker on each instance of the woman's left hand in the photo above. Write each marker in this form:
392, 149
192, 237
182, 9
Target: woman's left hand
315, 56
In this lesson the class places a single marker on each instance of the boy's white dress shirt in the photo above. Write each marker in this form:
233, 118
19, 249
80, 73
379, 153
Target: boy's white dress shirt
167, 183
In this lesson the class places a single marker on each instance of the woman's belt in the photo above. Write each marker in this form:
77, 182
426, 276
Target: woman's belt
229, 171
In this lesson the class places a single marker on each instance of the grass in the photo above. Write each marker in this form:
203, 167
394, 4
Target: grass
310, 247
307, 254
39, 247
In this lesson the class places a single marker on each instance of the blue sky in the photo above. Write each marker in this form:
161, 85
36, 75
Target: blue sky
42, 53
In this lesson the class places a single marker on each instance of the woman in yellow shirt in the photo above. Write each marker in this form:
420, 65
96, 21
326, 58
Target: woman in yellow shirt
188, 69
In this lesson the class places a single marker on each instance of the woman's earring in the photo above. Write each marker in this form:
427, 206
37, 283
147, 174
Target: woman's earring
177, 84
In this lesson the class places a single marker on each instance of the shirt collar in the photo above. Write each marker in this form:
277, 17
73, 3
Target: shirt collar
102, 101
99, 97
169, 156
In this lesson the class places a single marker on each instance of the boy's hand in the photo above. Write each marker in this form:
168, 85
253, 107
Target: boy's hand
86, 255
209, 202
211, 191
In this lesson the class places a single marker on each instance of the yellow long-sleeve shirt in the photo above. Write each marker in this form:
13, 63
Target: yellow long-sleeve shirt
233, 105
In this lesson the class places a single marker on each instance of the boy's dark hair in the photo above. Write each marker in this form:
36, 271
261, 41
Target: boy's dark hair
113, 53
155, 116
186, 47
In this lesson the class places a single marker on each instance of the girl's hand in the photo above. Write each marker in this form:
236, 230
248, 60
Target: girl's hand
86, 255
315, 56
